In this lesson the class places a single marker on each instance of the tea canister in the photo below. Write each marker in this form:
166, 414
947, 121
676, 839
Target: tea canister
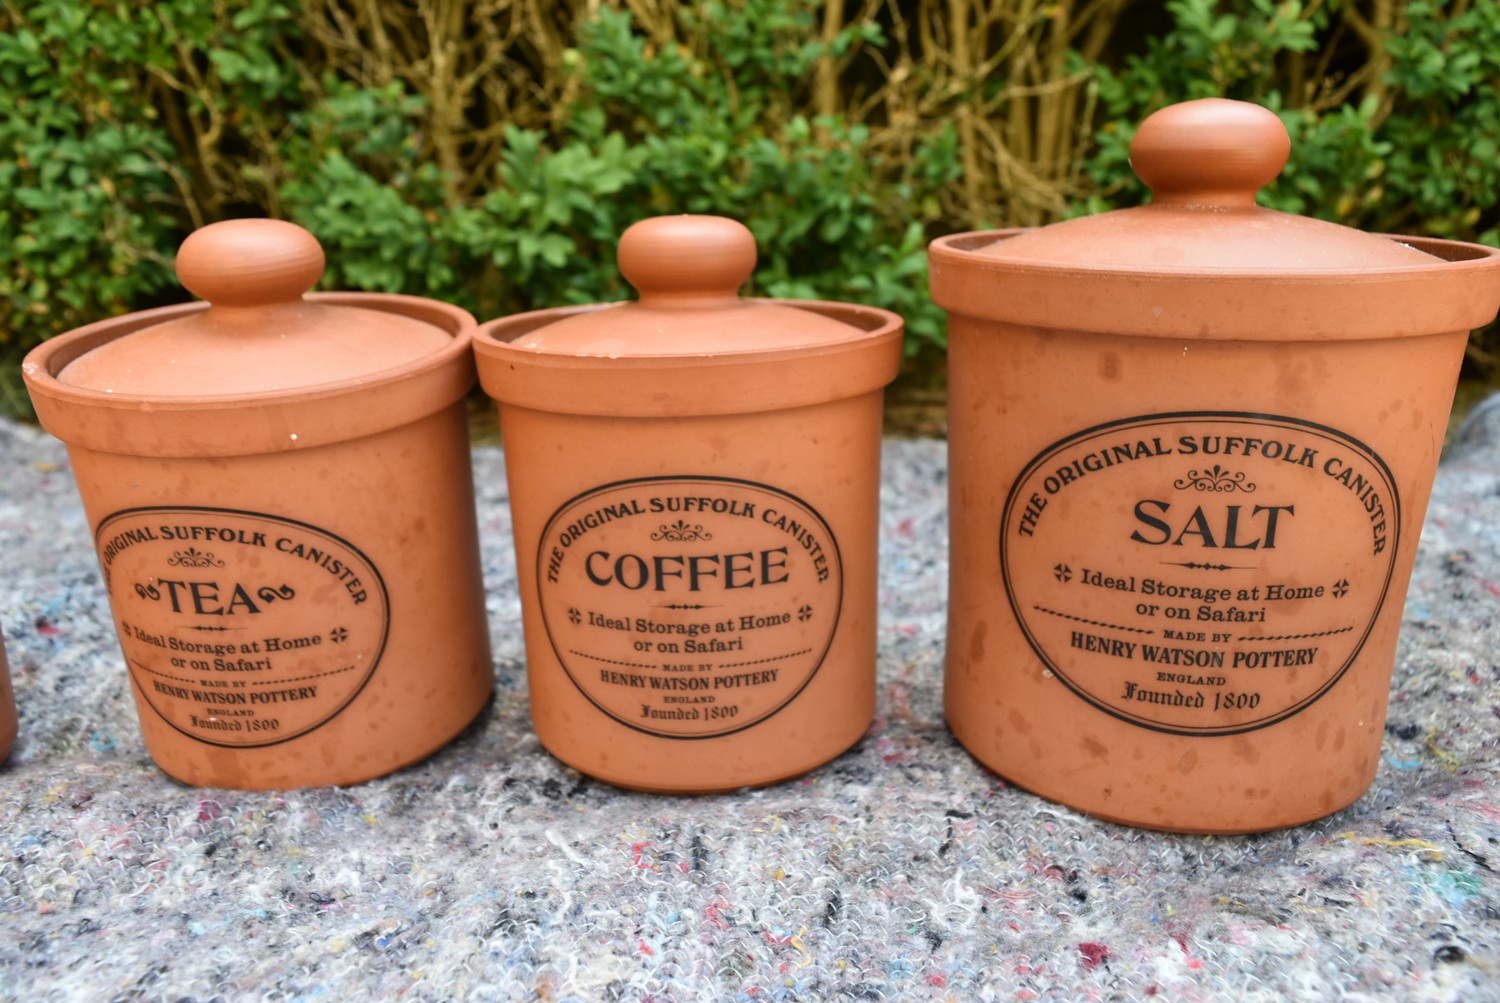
1191, 448
282, 503
7, 707
694, 480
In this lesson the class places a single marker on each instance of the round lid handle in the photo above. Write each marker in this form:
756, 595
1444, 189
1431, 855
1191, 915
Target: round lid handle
1211, 152
689, 259
250, 262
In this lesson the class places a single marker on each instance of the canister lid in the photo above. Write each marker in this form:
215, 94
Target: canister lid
258, 335
688, 271
1204, 161
1203, 261
258, 369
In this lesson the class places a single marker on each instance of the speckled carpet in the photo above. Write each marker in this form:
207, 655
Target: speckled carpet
900, 871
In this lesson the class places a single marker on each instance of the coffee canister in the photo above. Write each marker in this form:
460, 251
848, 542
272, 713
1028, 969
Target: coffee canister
282, 502
694, 479
7, 707
1191, 448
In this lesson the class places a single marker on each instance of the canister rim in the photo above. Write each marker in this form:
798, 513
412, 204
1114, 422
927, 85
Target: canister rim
864, 323
690, 385
1446, 254
1458, 291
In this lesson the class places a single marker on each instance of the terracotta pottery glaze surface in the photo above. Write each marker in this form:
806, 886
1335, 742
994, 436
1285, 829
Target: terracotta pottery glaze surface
1191, 448
282, 502
7, 707
694, 481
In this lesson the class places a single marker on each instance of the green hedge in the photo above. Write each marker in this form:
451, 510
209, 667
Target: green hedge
500, 175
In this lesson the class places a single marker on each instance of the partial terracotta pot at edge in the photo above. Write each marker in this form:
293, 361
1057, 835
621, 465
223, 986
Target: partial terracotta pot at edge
281, 495
694, 479
7, 707
1191, 449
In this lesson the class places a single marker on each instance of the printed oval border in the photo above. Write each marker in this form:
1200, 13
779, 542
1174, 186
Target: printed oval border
838, 559
379, 580
1227, 417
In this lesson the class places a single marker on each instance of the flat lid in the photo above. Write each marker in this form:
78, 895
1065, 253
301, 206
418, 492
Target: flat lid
258, 334
1204, 161
688, 271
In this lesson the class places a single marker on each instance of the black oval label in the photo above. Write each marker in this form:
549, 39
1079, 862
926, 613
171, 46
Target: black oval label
241, 629
1201, 573
689, 607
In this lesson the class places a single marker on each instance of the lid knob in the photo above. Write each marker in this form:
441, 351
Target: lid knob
1210, 152
687, 258
250, 262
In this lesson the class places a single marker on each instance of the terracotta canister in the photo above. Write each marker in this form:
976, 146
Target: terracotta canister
694, 479
7, 707
1191, 448
282, 502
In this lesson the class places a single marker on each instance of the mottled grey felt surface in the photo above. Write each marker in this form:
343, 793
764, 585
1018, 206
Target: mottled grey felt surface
900, 871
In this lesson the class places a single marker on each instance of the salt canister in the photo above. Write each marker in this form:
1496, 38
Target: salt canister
1191, 448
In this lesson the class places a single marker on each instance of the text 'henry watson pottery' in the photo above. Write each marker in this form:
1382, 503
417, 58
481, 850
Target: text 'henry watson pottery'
282, 502
694, 479
1191, 445
7, 707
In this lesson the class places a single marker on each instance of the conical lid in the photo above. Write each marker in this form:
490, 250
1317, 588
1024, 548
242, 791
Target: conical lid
1204, 161
259, 335
688, 271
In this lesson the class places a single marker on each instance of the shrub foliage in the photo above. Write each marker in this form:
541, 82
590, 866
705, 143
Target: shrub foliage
490, 152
